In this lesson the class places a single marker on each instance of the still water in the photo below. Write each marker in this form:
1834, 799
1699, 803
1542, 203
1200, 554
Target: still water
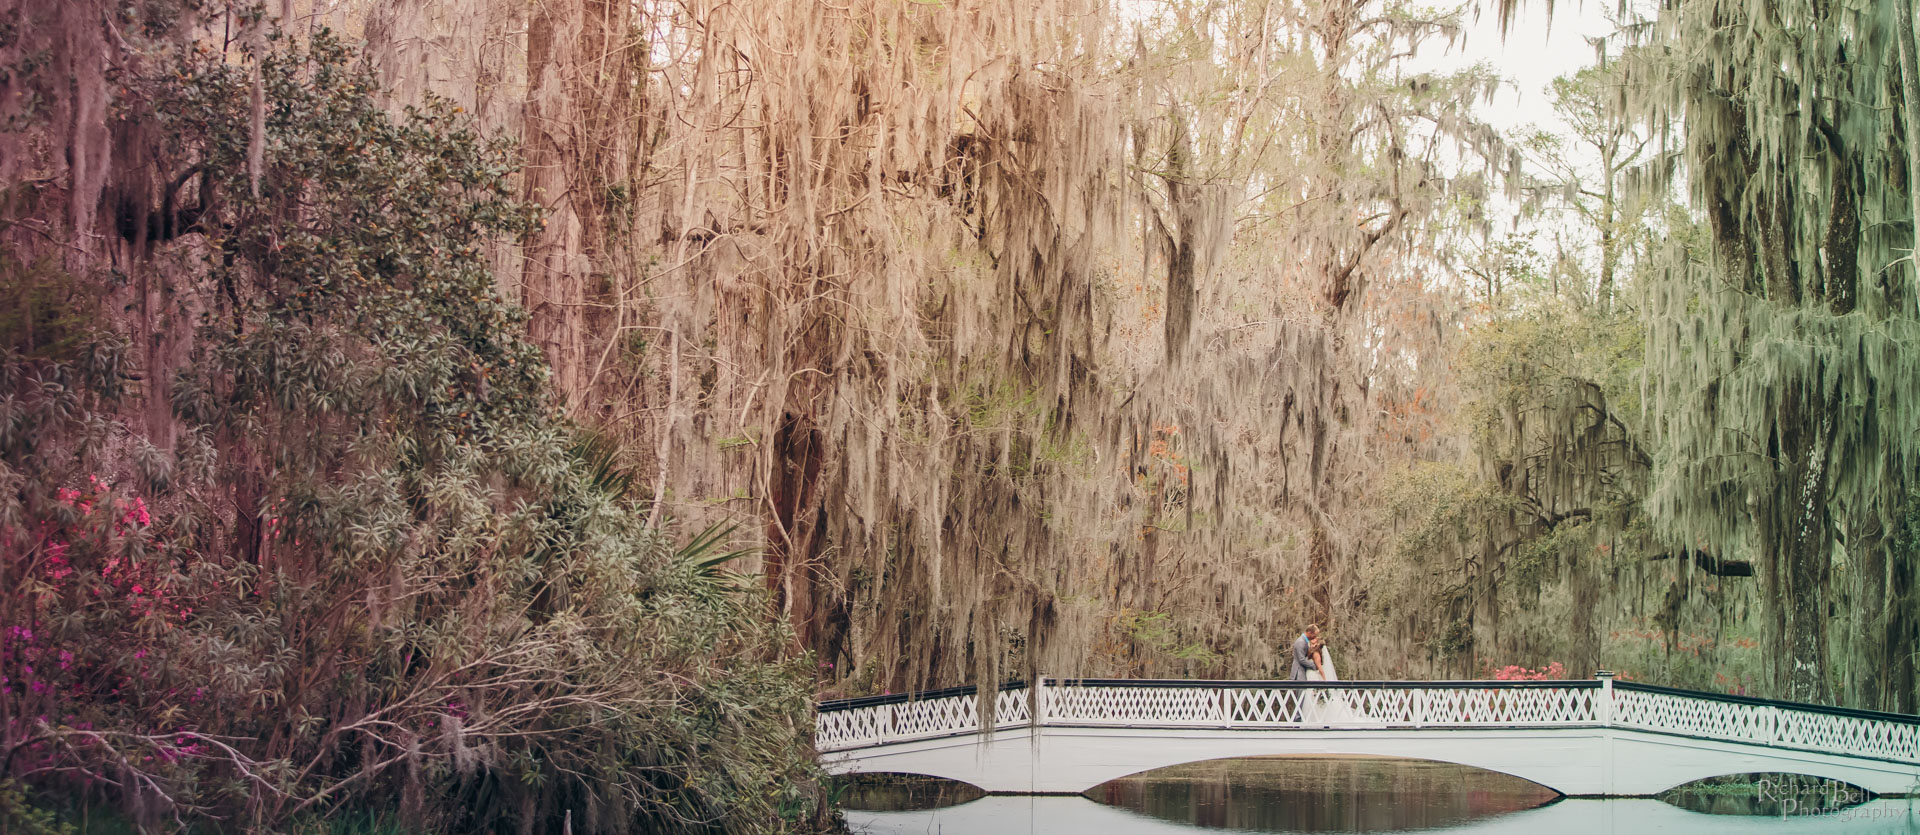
1351, 794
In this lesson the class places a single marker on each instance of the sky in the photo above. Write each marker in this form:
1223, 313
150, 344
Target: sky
1532, 54
1535, 50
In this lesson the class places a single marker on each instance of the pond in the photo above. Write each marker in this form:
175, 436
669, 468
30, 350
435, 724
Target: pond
1362, 794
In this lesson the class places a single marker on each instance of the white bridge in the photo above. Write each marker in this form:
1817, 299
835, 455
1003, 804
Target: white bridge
1581, 738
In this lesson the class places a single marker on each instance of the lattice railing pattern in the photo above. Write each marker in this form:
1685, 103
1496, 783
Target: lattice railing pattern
1111, 705
1263, 706
1011, 707
1376, 705
859, 727
1320, 706
1767, 724
1495, 706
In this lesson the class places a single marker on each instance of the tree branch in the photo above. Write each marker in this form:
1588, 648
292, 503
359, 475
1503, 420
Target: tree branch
1709, 563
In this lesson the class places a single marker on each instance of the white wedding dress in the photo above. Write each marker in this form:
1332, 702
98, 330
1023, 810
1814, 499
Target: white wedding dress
1329, 708
1326, 671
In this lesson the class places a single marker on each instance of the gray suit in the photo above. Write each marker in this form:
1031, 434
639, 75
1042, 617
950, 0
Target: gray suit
1302, 658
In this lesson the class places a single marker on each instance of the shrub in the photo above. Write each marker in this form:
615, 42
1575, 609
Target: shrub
380, 570
1514, 672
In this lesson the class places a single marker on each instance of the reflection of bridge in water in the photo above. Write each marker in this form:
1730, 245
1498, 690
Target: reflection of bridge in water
1581, 738
1053, 815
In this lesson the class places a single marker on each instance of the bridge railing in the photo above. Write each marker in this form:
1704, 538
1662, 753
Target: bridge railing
858, 723
1281, 704
877, 720
1833, 730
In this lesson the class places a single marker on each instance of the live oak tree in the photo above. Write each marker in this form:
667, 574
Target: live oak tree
1778, 366
943, 305
918, 293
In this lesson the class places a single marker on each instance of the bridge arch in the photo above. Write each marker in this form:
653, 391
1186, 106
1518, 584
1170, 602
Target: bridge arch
1073, 760
903, 792
1393, 758
906, 772
1655, 763
1837, 775
1763, 775
1542, 759
1448, 774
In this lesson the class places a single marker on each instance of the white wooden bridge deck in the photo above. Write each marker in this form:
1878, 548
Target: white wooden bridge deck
1597, 738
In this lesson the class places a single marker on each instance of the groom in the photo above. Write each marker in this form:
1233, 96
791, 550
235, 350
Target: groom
1303, 653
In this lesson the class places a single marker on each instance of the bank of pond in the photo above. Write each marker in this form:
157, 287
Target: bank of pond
1323, 793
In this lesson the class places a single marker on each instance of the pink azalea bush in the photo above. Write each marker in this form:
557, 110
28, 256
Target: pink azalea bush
1514, 672
98, 650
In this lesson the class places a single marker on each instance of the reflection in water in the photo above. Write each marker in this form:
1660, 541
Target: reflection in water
1322, 794
902, 792
1002, 815
1774, 795
1319, 794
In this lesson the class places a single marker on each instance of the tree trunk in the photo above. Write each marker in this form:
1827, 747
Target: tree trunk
552, 285
1866, 596
797, 450
1902, 629
1609, 222
577, 112
1802, 540
1181, 260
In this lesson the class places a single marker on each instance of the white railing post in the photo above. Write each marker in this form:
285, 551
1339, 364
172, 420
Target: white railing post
1603, 713
1039, 707
1419, 707
1603, 708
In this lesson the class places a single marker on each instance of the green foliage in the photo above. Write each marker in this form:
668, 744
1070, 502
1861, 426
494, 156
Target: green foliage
705, 554
18, 815
998, 404
1158, 633
1527, 358
369, 823
398, 581
39, 315
1550, 405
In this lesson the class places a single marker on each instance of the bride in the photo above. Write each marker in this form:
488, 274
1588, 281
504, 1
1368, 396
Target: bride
1329, 707
1323, 660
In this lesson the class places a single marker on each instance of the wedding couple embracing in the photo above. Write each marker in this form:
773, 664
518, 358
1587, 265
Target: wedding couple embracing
1312, 661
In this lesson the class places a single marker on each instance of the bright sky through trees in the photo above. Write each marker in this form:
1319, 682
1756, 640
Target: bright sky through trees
1537, 49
